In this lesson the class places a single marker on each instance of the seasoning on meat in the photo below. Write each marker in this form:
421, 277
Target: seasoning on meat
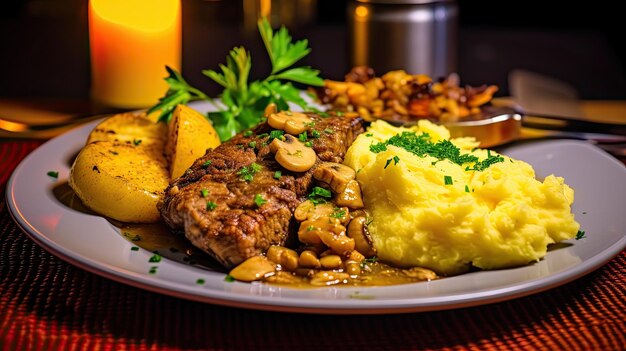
237, 228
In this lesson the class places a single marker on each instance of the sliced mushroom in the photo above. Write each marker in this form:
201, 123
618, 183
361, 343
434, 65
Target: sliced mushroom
357, 230
308, 259
328, 231
351, 196
292, 154
269, 110
254, 268
308, 210
335, 175
286, 258
291, 122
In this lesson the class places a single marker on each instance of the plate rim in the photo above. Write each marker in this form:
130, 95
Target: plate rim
287, 304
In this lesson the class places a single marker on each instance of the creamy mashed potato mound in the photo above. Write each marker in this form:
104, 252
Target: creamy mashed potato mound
495, 218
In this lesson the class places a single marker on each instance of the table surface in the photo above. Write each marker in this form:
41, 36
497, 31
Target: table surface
46, 303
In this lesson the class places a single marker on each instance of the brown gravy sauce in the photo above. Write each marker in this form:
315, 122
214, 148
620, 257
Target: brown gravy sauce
159, 239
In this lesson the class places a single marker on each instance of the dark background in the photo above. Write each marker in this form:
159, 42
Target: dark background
44, 49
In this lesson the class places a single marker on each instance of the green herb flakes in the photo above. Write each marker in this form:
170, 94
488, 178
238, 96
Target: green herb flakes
53, 174
421, 145
248, 133
229, 278
447, 180
319, 195
580, 235
339, 213
210, 205
276, 134
200, 281
247, 173
206, 163
278, 174
395, 160
137, 142
204, 192
134, 248
259, 200
155, 258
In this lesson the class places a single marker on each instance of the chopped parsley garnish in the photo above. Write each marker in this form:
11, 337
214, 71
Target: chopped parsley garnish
580, 234
134, 248
421, 145
247, 173
303, 137
276, 134
308, 144
155, 258
136, 142
315, 134
278, 174
252, 144
53, 174
210, 205
447, 180
259, 200
153, 270
204, 192
200, 281
484, 164
248, 133
206, 163
369, 135
467, 189
339, 213
395, 160
370, 260
229, 278
319, 195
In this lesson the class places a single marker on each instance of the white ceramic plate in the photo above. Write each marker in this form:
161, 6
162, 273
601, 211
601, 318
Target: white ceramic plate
92, 243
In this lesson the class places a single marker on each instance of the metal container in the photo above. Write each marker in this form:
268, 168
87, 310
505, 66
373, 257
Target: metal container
418, 36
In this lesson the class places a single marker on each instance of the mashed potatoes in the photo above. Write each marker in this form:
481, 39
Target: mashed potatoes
431, 212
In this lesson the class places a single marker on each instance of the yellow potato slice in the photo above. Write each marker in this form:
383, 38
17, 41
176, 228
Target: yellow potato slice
135, 129
190, 135
120, 180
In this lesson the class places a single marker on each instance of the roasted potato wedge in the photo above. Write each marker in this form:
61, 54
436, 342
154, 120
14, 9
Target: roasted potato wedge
190, 135
136, 129
120, 180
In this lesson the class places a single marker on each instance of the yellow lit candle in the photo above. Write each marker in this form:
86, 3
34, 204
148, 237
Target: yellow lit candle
131, 42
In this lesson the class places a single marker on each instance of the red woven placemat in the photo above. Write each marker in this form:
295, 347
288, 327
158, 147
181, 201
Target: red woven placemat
47, 304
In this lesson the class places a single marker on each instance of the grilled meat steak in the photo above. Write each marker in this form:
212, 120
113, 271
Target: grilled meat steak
214, 201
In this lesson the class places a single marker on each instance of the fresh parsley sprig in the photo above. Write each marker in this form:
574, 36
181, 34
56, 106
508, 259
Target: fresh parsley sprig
244, 102
179, 92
